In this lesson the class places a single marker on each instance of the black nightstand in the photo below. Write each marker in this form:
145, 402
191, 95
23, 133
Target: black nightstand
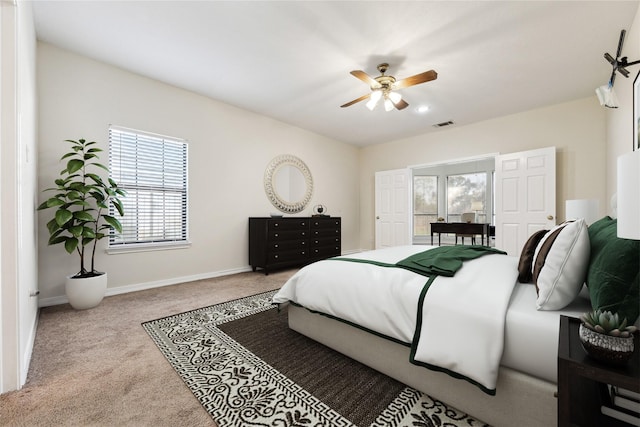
582, 381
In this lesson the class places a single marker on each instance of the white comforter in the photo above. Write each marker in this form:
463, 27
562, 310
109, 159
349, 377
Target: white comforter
462, 327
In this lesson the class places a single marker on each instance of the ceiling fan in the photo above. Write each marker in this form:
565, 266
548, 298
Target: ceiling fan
606, 95
383, 87
619, 64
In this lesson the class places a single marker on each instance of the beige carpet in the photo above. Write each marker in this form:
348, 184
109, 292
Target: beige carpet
98, 367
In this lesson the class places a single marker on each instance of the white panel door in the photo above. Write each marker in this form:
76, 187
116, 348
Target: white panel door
393, 208
525, 196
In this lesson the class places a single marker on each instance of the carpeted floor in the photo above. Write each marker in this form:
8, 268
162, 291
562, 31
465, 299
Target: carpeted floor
98, 367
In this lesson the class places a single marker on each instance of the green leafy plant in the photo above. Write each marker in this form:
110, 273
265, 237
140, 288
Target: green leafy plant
607, 323
81, 198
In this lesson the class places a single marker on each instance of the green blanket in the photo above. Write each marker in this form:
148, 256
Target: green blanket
444, 260
439, 261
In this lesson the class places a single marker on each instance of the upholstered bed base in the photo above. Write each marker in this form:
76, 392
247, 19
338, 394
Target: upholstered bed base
521, 400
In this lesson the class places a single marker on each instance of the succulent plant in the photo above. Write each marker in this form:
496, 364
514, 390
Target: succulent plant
607, 323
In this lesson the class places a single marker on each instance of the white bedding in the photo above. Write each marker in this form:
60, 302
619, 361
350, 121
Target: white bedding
463, 316
531, 335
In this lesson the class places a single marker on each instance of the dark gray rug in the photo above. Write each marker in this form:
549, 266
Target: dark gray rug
247, 368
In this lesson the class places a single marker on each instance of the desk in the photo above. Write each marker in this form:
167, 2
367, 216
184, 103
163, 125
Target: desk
460, 228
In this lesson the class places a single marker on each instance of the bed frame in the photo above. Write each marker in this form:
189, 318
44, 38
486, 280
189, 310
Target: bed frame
520, 400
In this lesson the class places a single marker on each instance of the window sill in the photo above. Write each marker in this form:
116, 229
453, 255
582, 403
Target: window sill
141, 247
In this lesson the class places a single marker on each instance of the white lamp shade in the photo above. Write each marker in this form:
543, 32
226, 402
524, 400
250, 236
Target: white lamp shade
583, 208
607, 96
629, 195
477, 206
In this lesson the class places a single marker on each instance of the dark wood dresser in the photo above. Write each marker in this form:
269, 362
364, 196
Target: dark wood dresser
288, 242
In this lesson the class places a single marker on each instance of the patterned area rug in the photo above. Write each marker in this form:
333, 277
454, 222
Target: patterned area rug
247, 368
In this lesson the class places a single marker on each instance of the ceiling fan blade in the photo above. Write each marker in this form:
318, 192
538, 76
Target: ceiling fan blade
622, 33
365, 78
401, 105
415, 80
609, 58
362, 98
623, 71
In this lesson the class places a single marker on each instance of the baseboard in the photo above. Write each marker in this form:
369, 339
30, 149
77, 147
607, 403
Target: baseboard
62, 299
26, 362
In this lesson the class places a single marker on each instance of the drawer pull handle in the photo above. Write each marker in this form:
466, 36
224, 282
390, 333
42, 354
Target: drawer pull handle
303, 223
276, 256
276, 235
275, 246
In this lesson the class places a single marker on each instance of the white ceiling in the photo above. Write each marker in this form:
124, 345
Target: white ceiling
290, 60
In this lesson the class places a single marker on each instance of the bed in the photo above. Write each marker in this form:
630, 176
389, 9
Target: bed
328, 301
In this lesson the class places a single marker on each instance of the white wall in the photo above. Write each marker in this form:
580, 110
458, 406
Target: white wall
577, 130
18, 310
229, 149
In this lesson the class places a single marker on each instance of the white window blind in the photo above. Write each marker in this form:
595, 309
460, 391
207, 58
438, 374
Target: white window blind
152, 169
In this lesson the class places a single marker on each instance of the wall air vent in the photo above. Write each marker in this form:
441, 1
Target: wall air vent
443, 124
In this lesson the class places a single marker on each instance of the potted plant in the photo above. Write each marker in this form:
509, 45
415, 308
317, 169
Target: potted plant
605, 338
80, 201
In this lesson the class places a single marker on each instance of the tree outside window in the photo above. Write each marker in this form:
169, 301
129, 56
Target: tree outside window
425, 204
462, 191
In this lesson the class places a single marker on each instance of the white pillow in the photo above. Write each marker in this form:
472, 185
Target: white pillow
560, 264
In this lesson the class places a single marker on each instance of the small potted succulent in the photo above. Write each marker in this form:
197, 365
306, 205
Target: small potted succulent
605, 338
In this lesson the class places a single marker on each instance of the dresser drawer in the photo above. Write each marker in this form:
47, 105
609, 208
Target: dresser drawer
282, 235
325, 251
324, 241
287, 245
325, 232
288, 256
325, 223
288, 224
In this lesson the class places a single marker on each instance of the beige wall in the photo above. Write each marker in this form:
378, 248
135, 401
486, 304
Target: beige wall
620, 120
577, 130
229, 149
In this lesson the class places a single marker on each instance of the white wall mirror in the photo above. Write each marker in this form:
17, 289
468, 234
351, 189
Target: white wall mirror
288, 183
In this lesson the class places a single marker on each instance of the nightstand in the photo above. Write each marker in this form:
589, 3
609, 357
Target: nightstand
582, 381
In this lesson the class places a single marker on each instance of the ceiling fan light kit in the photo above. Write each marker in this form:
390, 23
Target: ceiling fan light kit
384, 87
605, 93
607, 96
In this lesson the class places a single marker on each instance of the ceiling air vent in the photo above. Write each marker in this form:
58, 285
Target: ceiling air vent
443, 124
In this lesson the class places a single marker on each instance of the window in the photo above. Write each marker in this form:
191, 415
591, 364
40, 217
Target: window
425, 204
152, 169
462, 191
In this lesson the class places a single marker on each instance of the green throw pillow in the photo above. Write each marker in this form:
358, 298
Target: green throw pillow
613, 277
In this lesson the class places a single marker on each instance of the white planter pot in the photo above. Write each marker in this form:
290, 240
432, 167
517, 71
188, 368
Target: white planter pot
87, 292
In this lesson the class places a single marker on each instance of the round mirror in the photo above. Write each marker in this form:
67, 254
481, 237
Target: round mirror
288, 183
